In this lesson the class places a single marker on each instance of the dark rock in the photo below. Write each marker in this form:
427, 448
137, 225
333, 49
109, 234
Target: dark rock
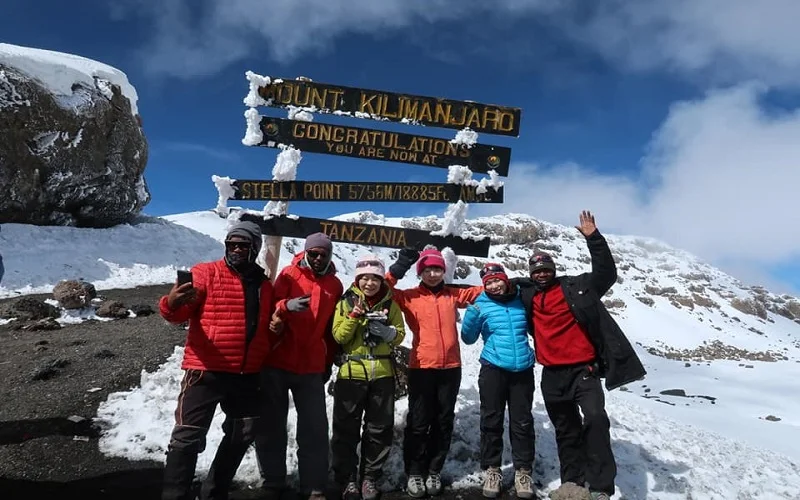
142, 310
74, 294
772, 418
74, 160
674, 392
646, 301
45, 324
104, 354
49, 369
112, 309
28, 309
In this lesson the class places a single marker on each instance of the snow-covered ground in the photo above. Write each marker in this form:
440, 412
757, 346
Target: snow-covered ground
714, 442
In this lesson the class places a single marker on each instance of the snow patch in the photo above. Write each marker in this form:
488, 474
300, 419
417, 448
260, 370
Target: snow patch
59, 71
253, 99
8, 93
454, 218
253, 135
226, 191
466, 136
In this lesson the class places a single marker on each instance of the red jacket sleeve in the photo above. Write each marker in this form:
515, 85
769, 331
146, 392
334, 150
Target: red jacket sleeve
281, 290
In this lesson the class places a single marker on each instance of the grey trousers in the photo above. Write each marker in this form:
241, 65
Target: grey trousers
308, 393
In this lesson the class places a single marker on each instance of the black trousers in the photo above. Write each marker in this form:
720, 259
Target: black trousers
352, 400
201, 392
308, 395
499, 388
432, 398
584, 443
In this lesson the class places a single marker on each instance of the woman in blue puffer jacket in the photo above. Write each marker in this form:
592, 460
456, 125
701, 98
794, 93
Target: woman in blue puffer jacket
506, 378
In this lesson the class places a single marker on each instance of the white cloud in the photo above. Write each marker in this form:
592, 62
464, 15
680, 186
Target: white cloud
720, 179
728, 39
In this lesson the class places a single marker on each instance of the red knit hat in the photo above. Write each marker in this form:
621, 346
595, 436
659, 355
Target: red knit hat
493, 271
430, 257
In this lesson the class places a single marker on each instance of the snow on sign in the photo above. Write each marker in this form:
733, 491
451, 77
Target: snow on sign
383, 145
297, 133
366, 234
382, 105
415, 192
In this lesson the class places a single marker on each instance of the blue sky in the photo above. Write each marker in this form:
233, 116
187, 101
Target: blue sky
671, 119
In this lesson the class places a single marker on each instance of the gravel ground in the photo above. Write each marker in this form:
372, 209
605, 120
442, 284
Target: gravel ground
43, 454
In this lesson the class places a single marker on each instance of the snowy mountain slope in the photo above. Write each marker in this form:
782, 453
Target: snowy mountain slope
736, 368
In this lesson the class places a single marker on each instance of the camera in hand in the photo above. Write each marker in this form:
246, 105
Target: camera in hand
184, 277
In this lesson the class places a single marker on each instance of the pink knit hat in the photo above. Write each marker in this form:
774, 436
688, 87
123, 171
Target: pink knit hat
370, 264
430, 257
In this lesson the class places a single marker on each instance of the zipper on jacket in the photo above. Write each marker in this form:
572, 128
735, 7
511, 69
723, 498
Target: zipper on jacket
441, 333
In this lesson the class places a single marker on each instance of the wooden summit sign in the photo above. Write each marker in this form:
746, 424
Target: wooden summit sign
366, 234
424, 192
382, 105
373, 144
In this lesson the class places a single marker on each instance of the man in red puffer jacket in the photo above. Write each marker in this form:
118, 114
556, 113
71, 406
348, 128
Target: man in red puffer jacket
228, 305
306, 294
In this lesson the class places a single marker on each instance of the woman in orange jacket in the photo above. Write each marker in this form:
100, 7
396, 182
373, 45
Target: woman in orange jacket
434, 374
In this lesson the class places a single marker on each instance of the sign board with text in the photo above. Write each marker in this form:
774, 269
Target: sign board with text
414, 192
366, 234
391, 106
356, 142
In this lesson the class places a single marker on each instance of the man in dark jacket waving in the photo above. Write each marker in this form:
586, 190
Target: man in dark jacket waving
578, 342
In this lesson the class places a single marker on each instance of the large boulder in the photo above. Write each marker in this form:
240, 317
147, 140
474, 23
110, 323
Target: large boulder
72, 150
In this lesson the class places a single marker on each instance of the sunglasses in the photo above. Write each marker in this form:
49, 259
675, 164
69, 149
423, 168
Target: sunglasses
237, 245
369, 263
540, 258
314, 254
491, 269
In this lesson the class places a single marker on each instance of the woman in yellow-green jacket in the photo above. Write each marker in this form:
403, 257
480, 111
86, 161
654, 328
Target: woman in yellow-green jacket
368, 324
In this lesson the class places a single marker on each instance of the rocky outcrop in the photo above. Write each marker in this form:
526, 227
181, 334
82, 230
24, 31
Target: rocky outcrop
74, 159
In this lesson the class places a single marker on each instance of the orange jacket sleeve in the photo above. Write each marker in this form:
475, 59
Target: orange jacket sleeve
467, 296
399, 296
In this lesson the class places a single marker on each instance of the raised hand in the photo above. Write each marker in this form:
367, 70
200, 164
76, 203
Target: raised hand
587, 225
180, 295
359, 308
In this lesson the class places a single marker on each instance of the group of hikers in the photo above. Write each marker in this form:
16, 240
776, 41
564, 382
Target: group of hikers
251, 342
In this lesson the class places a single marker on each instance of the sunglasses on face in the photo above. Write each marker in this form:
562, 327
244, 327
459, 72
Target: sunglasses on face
369, 263
491, 269
237, 245
540, 258
314, 255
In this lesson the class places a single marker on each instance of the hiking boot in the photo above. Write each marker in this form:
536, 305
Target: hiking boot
492, 481
351, 492
416, 486
434, 484
271, 492
369, 490
319, 495
599, 495
523, 484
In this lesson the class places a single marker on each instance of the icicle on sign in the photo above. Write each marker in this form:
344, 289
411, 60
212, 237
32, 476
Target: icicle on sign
381, 105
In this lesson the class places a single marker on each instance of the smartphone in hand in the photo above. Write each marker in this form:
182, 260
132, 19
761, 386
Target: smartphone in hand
184, 277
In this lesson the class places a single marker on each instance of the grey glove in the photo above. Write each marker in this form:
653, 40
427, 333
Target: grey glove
380, 330
298, 304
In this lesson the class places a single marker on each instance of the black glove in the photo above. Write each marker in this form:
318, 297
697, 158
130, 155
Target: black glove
408, 256
298, 304
381, 331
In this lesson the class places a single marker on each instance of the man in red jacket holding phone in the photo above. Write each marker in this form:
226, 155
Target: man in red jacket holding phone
306, 294
228, 304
